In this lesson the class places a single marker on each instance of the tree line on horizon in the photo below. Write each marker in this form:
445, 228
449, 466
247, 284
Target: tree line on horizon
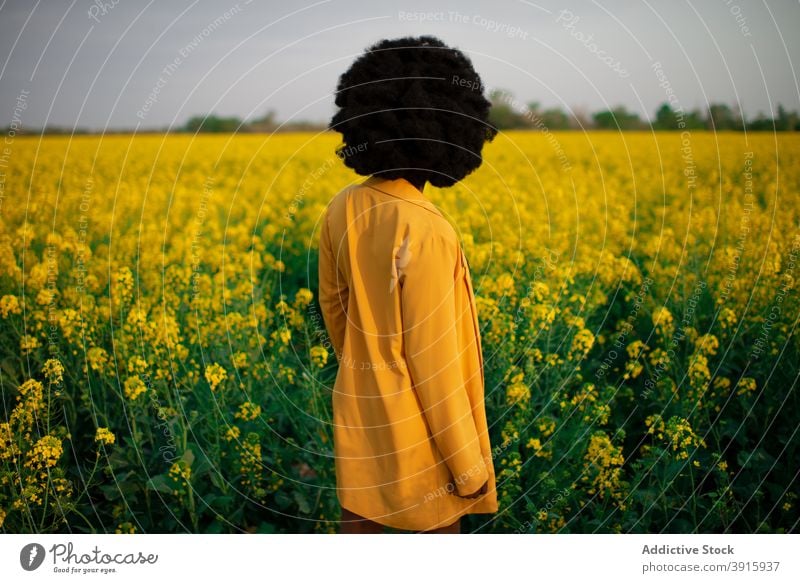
508, 114
505, 114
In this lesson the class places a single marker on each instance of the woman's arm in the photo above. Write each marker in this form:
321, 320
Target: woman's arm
431, 344
333, 291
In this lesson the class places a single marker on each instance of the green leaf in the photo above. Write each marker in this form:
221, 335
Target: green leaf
302, 503
217, 481
188, 456
159, 484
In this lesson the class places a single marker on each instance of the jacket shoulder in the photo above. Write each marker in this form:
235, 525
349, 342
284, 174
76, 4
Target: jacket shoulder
338, 198
410, 213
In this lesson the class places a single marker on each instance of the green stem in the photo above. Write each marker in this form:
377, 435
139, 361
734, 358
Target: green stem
86, 520
89, 479
192, 510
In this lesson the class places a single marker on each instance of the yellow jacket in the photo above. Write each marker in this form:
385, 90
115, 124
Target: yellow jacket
409, 421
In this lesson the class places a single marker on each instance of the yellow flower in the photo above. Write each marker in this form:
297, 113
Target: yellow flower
137, 365
232, 433
250, 460
509, 434
542, 315
303, 297
547, 426
538, 291
296, 319
635, 348
699, 373
98, 359
215, 375
180, 474
515, 374
663, 321
722, 383
104, 436
727, 318
53, 371
707, 344
45, 297
581, 344
319, 355
30, 391
286, 372
248, 411
239, 360
518, 393
122, 284
553, 359
677, 434
216, 285
659, 358
588, 401
28, 343
44, 454
134, 386
534, 443
505, 284
633, 368
691, 333
180, 470
125, 528
746, 385
604, 461
9, 305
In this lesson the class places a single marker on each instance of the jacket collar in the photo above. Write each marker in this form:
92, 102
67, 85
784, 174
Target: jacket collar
401, 188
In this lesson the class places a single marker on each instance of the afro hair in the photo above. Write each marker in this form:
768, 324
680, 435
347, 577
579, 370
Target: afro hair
412, 108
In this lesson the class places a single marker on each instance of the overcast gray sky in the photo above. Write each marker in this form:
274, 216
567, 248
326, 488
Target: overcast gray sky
120, 63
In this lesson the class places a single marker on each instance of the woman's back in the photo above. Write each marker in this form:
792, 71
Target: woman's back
410, 430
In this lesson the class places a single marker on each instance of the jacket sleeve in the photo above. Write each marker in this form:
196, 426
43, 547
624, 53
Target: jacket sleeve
432, 353
333, 291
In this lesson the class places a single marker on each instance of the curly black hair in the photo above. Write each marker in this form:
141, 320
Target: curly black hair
412, 108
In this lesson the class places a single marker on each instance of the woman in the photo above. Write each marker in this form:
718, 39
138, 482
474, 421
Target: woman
411, 442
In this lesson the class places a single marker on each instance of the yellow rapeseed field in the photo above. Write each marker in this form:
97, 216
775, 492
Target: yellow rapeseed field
165, 367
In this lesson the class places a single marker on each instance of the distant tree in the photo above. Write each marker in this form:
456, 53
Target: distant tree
619, 117
508, 113
266, 123
580, 118
760, 123
665, 118
534, 107
503, 115
720, 117
787, 121
555, 119
212, 124
693, 120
